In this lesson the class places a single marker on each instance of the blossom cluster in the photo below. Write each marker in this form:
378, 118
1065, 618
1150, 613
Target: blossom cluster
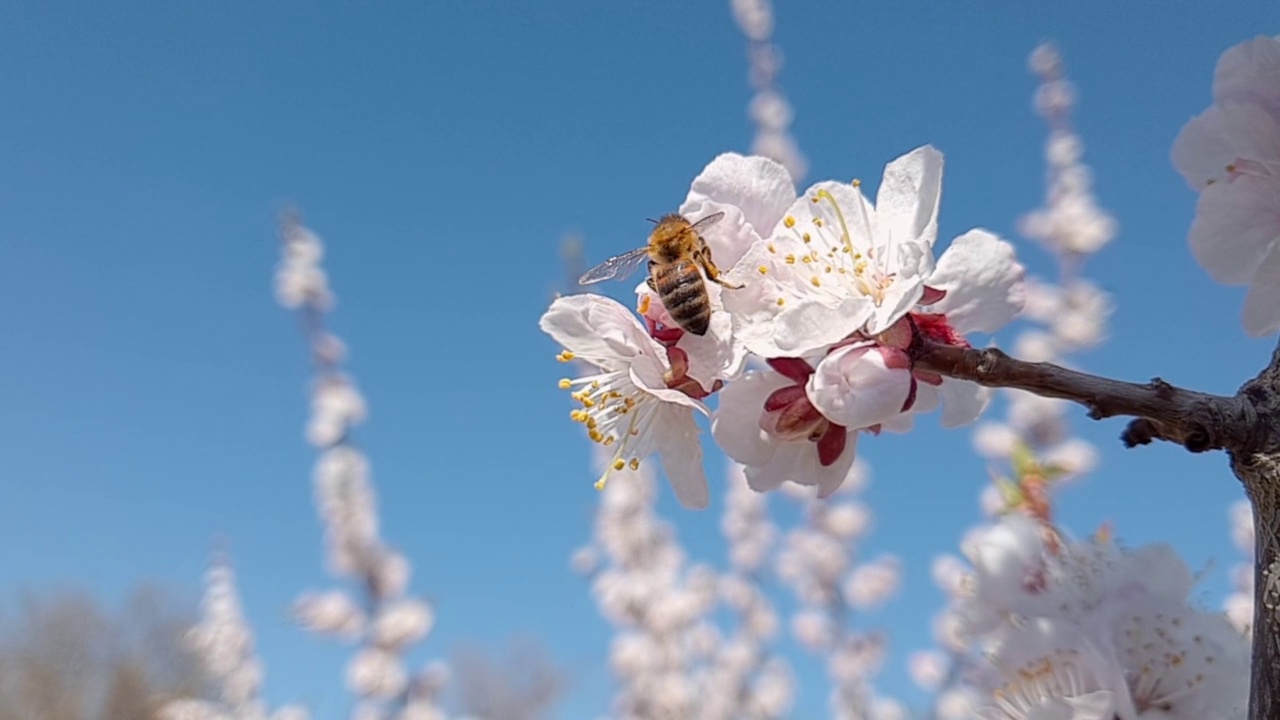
769, 109
1088, 630
383, 619
1230, 154
671, 658
812, 349
223, 643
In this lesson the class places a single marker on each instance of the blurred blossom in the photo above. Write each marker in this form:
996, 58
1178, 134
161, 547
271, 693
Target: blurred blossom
329, 612
402, 623
950, 573
769, 109
871, 584
376, 673
928, 668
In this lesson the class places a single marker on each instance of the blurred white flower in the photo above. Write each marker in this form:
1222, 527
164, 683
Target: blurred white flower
874, 582
330, 612
401, 623
928, 668
376, 673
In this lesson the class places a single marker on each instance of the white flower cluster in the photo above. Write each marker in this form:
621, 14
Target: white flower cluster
224, 644
385, 622
818, 562
672, 660
769, 110
1230, 154
834, 291
1068, 317
1088, 631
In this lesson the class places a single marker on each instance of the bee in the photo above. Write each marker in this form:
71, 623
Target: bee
675, 253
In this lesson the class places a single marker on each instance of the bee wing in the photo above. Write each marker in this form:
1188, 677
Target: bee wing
618, 266
708, 221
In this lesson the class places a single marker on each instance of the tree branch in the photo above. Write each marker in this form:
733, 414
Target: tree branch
1246, 425
1197, 421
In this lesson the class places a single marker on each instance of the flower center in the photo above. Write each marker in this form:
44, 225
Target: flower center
614, 412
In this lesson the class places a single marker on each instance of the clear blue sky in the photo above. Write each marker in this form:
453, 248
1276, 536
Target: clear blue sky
153, 395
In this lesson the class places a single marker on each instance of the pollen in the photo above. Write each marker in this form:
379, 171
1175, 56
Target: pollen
791, 259
763, 270
643, 308
789, 221
806, 237
565, 356
817, 221
565, 383
599, 485
596, 436
634, 464
771, 248
856, 183
619, 464
781, 302
815, 281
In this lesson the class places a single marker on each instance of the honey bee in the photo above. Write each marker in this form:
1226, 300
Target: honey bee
675, 252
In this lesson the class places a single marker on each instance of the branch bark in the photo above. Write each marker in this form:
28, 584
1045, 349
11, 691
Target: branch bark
1246, 426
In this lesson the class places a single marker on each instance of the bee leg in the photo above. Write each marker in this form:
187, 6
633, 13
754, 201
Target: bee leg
649, 282
713, 273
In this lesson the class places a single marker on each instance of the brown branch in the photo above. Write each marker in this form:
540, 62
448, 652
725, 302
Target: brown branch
1246, 425
1197, 421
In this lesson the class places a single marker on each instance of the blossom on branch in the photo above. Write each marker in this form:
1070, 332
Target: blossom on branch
1230, 154
835, 292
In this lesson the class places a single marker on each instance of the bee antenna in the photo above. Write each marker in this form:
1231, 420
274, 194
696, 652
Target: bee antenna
655, 222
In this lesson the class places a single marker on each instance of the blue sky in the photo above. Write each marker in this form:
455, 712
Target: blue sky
153, 395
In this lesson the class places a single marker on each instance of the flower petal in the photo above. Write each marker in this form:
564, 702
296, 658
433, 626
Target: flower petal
717, 355
1202, 151
1253, 132
855, 386
962, 401
983, 282
647, 374
681, 453
735, 425
759, 189
1262, 302
908, 196
1249, 72
1235, 227
598, 329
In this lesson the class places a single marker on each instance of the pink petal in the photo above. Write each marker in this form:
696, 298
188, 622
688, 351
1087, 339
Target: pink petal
1235, 226
1262, 302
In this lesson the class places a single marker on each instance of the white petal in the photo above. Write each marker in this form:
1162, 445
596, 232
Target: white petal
681, 453
1253, 132
1249, 71
908, 196
717, 355
962, 401
1202, 151
1262, 302
646, 374
758, 187
797, 462
901, 296
598, 329
735, 425
854, 387
983, 280
1235, 226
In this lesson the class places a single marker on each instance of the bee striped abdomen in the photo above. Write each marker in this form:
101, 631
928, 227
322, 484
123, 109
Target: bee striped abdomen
684, 295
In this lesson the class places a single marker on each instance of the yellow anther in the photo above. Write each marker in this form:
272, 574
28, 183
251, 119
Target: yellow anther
789, 221
791, 259
600, 484
856, 183
634, 464
565, 356
595, 436
780, 302
818, 221
763, 270
630, 402
619, 464
588, 402
595, 384
771, 247
828, 268
610, 440
565, 383
644, 304
806, 237
815, 281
